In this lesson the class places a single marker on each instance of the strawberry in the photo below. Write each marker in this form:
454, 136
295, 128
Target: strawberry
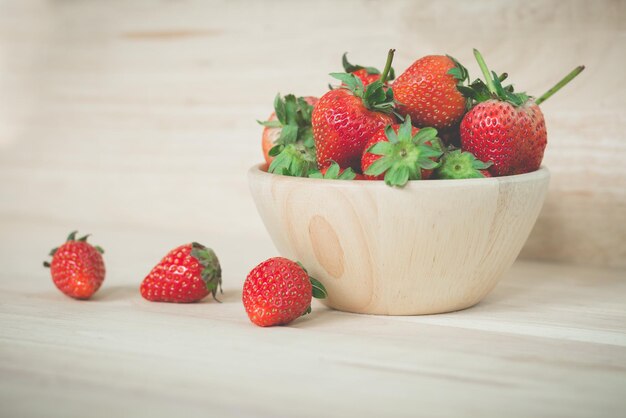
278, 290
367, 75
186, 274
504, 127
334, 172
458, 164
77, 267
427, 91
399, 153
344, 119
289, 123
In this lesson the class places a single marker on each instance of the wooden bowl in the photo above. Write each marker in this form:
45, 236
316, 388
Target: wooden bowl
433, 246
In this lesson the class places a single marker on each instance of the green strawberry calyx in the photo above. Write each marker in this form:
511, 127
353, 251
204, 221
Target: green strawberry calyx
293, 117
318, 289
376, 97
458, 164
334, 172
350, 68
405, 155
295, 160
211, 269
72, 237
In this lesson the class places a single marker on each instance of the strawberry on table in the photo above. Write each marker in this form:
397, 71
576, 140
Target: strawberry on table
77, 267
459, 164
290, 123
505, 127
278, 291
399, 153
367, 75
186, 274
346, 118
427, 92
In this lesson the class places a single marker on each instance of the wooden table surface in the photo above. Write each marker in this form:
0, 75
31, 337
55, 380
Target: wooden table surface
548, 342
135, 121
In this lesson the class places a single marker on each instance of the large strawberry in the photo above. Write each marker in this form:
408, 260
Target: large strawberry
278, 290
186, 274
344, 119
399, 153
504, 127
427, 91
77, 267
367, 75
289, 123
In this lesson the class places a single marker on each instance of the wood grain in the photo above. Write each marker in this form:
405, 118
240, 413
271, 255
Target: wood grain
135, 121
162, 98
380, 250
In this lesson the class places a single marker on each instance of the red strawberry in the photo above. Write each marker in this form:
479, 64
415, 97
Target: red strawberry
186, 274
458, 164
291, 111
334, 172
399, 153
277, 291
346, 118
427, 91
506, 128
367, 75
77, 267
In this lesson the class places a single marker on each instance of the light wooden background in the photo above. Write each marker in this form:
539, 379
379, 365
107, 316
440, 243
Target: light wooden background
142, 114
135, 121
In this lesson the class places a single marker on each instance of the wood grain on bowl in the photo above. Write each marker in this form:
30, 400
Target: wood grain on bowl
433, 246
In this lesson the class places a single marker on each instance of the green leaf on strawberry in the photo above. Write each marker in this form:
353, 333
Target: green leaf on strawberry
459, 164
405, 155
295, 160
293, 115
350, 68
333, 172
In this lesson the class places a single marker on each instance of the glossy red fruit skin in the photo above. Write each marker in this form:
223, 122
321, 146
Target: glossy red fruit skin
512, 138
271, 135
77, 269
368, 158
276, 292
428, 94
176, 278
342, 125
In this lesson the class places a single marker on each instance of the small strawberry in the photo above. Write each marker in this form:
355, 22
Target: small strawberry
399, 153
504, 127
367, 75
77, 267
458, 164
346, 118
289, 123
427, 91
186, 274
278, 290
334, 172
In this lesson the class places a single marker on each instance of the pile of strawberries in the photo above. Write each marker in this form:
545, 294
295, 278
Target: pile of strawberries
430, 123
276, 292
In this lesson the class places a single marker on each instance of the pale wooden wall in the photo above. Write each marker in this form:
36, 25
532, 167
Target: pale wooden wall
136, 120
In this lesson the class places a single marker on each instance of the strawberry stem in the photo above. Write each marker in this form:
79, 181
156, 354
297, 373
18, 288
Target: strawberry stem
485, 71
545, 96
385, 74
